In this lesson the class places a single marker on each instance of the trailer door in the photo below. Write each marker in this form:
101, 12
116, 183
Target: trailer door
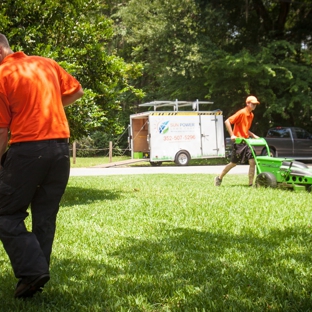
212, 135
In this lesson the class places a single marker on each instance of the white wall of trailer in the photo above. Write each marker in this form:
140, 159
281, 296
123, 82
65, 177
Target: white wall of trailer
200, 134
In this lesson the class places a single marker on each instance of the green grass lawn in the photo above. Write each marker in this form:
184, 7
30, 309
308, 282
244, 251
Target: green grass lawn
175, 243
85, 162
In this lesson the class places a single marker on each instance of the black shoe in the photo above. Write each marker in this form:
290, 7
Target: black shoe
28, 290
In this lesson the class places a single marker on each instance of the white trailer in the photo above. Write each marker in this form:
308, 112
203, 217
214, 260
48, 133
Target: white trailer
174, 135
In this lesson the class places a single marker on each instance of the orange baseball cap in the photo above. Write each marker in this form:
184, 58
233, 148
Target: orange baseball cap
252, 99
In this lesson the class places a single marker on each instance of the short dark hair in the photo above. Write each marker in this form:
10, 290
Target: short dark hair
4, 41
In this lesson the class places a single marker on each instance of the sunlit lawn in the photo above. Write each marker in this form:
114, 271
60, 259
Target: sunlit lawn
85, 162
175, 243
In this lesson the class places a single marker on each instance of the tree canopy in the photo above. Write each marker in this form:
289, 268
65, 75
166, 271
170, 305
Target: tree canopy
224, 50
125, 52
76, 34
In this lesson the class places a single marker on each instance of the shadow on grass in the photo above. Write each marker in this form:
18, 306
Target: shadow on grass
183, 270
81, 195
220, 272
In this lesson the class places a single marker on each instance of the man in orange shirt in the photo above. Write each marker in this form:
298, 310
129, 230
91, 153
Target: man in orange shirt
242, 121
34, 171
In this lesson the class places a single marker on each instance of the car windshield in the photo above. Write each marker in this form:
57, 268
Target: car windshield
281, 133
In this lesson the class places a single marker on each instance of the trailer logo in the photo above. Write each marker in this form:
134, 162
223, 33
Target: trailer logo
164, 127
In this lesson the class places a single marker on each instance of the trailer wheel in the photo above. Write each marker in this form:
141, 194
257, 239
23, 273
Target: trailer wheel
309, 188
266, 179
155, 163
182, 158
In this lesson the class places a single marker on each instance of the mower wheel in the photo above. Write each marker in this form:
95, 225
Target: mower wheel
266, 179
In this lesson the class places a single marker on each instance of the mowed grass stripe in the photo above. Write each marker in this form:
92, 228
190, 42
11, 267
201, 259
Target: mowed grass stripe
175, 243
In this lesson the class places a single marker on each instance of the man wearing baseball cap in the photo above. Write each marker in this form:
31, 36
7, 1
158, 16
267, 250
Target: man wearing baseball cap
242, 121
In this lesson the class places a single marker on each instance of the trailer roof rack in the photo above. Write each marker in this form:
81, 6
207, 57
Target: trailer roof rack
175, 104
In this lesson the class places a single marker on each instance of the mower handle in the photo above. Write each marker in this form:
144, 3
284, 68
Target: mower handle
251, 142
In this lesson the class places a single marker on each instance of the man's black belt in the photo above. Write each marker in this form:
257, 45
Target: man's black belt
43, 141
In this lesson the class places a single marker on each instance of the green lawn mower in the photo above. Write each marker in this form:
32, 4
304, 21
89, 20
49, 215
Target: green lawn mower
278, 172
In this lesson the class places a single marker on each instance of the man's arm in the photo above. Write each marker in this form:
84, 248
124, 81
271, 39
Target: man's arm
229, 129
71, 98
3, 141
251, 134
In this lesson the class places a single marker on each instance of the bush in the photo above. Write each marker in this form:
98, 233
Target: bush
97, 144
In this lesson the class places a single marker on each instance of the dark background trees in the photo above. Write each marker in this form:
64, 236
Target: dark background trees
76, 34
223, 51
128, 52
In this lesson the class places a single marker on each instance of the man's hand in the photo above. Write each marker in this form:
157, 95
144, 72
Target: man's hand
233, 137
252, 135
3, 141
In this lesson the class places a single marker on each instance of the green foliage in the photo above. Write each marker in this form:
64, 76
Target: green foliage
282, 84
102, 140
75, 34
164, 36
126, 52
97, 144
85, 148
84, 116
224, 51
160, 243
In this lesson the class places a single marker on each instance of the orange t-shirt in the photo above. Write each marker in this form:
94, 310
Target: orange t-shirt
242, 121
31, 90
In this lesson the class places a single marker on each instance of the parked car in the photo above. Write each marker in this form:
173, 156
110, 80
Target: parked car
288, 142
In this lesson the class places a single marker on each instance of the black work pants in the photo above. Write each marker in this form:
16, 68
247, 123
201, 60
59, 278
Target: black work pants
34, 174
240, 153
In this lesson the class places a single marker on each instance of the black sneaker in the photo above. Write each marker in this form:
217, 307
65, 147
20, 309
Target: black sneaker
217, 181
24, 290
